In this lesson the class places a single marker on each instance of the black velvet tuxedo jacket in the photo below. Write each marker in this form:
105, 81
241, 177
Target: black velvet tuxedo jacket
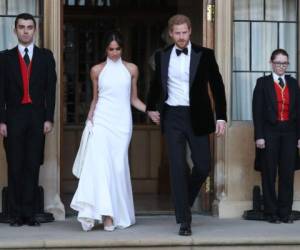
265, 110
41, 86
203, 71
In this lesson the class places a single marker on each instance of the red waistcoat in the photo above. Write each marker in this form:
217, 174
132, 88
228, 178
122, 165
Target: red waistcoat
283, 102
25, 72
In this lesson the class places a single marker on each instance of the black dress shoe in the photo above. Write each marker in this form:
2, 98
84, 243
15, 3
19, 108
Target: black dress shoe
273, 219
32, 222
185, 229
287, 219
16, 222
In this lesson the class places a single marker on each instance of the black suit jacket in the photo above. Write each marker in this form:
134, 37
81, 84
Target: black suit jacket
41, 87
203, 71
265, 109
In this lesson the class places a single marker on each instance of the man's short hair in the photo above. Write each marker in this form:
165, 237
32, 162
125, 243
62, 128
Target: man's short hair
179, 19
278, 52
25, 16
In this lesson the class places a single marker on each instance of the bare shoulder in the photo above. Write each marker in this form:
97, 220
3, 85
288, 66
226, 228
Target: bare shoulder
96, 69
132, 68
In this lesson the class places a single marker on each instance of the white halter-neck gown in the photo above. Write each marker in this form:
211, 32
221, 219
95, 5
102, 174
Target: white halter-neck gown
104, 186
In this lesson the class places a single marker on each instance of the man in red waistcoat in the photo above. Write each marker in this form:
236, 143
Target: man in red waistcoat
276, 117
27, 100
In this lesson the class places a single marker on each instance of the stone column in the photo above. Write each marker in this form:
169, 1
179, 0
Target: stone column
234, 154
223, 22
50, 171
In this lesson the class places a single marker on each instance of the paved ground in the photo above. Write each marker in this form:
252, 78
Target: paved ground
151, 231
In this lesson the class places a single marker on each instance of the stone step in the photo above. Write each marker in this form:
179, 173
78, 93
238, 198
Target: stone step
155, 232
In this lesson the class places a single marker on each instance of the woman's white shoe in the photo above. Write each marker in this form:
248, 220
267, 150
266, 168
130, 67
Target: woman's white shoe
108, 220
109, 228
86, 224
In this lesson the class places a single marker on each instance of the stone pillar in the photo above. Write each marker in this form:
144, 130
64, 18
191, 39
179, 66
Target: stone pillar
223, 22
234, 154
50, 171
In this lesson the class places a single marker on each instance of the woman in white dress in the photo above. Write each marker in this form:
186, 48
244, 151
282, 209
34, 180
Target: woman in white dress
104, 191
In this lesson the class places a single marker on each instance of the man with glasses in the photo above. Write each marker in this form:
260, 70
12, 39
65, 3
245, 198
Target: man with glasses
276, 117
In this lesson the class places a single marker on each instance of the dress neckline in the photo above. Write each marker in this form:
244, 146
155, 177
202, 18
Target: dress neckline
109, 61
114, 65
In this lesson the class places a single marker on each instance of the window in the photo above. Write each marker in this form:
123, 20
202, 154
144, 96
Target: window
9, 9
259, 27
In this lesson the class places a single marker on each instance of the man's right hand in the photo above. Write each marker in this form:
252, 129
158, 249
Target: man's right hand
3, 129
260, 143
154, 116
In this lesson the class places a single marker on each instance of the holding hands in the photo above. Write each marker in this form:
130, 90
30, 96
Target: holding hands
154, 116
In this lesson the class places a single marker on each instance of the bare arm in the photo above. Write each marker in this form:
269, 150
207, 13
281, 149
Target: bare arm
135, 101
94, 73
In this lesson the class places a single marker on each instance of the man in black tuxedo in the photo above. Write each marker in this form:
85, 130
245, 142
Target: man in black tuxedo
276, 118
27, 100
178, 99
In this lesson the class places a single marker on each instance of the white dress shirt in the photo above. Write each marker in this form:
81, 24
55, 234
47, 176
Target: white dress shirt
275, 77
21, 49
178, 83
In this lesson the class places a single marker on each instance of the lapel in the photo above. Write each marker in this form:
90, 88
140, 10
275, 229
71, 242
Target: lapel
165, 59
272, 92
34, 64
16, 71
291, 92
195, 59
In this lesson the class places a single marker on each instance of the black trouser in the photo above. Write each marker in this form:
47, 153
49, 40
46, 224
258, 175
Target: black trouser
279, 156
24, 151
185, 183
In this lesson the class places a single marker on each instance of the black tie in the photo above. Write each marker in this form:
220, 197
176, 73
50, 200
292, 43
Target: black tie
26, 57
281, 83
179, 51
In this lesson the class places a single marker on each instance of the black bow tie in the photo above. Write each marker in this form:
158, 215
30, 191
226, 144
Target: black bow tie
184, 51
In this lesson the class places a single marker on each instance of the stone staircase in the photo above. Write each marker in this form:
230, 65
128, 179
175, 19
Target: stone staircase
156, 232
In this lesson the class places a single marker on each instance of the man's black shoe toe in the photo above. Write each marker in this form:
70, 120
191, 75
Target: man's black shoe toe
16, 222
185, 229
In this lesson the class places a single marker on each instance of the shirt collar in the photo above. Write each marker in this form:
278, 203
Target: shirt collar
21, 49
275, 77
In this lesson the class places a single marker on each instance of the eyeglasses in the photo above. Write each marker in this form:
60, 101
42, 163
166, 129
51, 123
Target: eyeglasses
281, 64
